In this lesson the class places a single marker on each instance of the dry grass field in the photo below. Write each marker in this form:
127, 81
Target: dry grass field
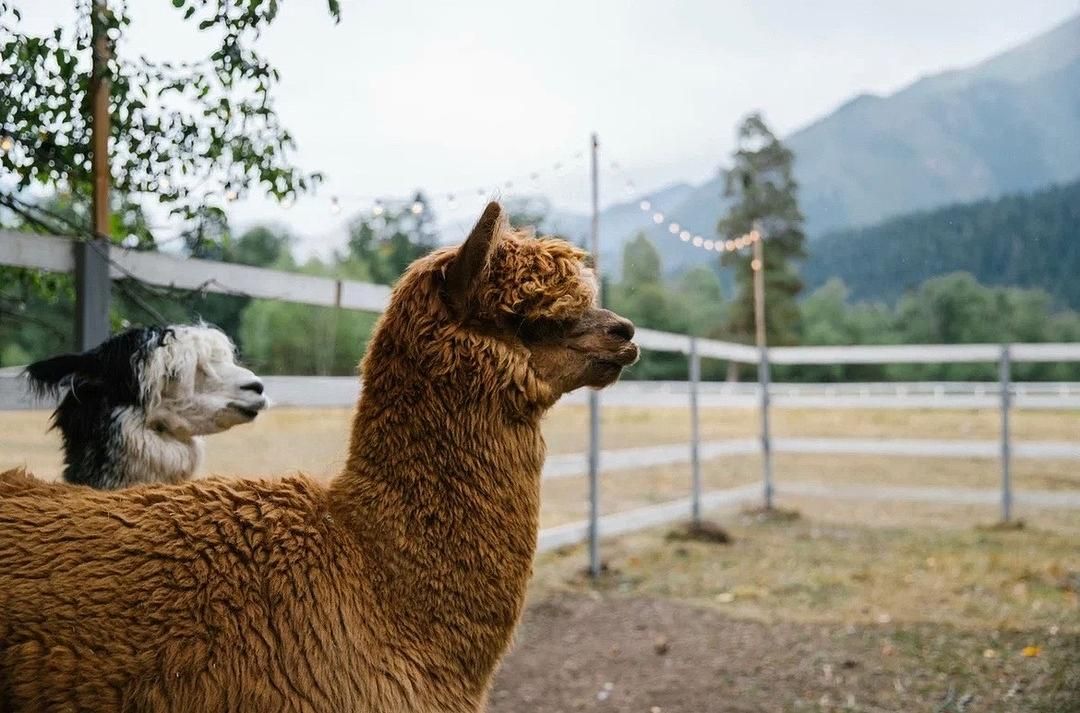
286, 441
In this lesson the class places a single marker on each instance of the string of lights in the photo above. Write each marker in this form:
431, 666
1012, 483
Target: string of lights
681, 230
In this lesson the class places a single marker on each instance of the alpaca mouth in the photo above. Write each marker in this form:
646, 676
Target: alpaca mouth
624, 357
246, 411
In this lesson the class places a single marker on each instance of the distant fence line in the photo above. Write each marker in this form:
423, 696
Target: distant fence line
58, 254
342, 392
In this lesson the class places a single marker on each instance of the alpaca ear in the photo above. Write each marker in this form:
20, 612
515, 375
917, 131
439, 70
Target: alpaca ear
48, 376
471, 260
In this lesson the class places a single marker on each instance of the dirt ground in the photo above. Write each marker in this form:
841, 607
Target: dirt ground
604, 652
815, 613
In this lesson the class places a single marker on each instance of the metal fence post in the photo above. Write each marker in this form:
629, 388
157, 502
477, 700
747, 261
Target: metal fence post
766, 441
1005, 378
594, 483
695, 435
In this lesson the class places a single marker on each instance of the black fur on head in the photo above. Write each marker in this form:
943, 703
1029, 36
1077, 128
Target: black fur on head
109, 371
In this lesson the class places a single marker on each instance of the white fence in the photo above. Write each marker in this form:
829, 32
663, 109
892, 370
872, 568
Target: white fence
57, 254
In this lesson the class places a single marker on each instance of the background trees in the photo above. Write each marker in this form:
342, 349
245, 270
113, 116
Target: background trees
763, 188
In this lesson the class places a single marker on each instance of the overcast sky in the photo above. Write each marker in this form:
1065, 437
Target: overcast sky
447, 96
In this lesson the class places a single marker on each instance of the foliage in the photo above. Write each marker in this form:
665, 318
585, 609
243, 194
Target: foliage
189, 134
389, 241
763, 189
951, 309
289, 338
1022, 240
694, 305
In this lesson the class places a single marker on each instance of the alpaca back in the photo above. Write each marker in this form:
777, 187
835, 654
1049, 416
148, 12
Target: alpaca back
213, 595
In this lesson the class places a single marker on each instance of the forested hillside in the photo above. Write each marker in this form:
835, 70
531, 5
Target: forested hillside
1022, 240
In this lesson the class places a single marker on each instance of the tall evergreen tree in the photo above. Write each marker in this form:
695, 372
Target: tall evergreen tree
764, 190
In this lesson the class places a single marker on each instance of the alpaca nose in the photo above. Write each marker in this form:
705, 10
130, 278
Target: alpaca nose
256, 386
622, 328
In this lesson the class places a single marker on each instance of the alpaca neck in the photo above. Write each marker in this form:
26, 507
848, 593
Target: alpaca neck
442, 489
120, 450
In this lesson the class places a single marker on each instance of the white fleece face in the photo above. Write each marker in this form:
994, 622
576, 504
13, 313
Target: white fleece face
192, 385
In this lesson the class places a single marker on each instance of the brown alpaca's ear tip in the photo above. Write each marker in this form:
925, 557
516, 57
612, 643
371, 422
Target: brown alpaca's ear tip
492, 217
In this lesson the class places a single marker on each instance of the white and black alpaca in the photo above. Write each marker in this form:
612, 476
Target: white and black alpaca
133, 409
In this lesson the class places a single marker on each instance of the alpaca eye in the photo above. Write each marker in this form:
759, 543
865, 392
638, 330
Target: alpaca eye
538, 330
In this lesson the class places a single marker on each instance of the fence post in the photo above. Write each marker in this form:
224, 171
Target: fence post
766, 441
594, 483
1005, 378
91, 293
695, 434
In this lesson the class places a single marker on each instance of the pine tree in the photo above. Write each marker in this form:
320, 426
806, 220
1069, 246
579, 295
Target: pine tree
763, 189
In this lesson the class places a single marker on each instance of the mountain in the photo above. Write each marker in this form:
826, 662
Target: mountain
1011, 123
1024, 240
1008, 124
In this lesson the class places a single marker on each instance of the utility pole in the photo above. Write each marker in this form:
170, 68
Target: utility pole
594, 396
91, 256
757, 265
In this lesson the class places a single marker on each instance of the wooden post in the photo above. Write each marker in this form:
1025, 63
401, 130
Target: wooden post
91, 256
594, 396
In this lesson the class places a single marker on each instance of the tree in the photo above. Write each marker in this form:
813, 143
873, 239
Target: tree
392, 237
189, 136
192, 135
641, 262
763, 192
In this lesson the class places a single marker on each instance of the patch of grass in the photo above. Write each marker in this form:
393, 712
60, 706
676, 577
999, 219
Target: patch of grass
703, 531
810, 571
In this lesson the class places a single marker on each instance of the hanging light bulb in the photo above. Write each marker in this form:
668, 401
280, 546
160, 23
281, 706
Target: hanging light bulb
231, 195
684, 235
658, 218
417, 208
377, 209
645, 205
697, 241
673, 228
707, 244
6, 144
729, 245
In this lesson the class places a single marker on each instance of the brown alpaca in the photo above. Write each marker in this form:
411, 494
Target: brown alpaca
395, 588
